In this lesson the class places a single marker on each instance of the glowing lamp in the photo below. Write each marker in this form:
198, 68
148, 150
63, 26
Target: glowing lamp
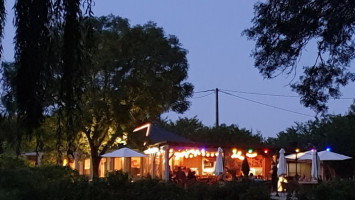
65, 162
250, 150
328, 149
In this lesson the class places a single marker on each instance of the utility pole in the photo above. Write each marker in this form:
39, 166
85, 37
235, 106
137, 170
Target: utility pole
217, 120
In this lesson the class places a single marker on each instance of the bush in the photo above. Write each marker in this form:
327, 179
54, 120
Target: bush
333, 190
61, 183
51, 182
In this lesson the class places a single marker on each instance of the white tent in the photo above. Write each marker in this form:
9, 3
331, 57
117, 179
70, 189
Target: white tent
281, 170
123, 152
219, 163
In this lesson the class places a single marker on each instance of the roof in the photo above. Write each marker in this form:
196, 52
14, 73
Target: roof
156, 134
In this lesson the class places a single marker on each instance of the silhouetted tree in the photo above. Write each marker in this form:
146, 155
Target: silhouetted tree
283, 28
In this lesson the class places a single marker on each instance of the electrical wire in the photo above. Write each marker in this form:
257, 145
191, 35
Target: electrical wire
203, 96
211, 90
277, 95
264, 104
262, 94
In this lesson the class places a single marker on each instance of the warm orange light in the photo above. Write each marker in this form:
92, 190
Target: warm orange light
234, 151
297, 150
65, 162
251, 155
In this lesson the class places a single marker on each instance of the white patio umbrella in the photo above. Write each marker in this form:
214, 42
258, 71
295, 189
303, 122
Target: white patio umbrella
315, 170
123, 152
328, 155
323, 156
219, 169
281, 170
300, 155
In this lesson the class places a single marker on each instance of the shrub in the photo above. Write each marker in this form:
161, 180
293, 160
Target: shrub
60, 183
333, 190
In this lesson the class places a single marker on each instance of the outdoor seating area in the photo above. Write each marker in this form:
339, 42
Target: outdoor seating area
309, 164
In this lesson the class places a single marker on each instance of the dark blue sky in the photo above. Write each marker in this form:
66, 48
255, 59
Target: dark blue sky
219, 57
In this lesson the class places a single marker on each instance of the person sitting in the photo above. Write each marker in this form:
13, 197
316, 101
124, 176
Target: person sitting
180, 176
191, 178
190, 174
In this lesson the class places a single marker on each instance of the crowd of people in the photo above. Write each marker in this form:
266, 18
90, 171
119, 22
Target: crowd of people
183, 175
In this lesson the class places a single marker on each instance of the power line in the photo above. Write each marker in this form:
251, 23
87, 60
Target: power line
264, 104
262, 94
277, 95
211, 90
203, 96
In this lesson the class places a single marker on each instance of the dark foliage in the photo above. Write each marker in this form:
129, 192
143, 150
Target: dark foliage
334, 190
224, 135
282, 30
62, 183
334, 131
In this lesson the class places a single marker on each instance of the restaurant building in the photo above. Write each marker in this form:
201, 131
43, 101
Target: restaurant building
166, 151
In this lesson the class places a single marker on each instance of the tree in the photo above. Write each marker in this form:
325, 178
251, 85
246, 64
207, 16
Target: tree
187, 127
335, 131
134, 75
282, 30
39, 24
224, 135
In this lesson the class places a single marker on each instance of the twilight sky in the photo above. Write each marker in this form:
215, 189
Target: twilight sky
219, 57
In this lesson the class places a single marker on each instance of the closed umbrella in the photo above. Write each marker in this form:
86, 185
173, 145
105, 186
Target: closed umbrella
281, 170
315, 171
219, 163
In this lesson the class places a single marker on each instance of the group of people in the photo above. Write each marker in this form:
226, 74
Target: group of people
183, 175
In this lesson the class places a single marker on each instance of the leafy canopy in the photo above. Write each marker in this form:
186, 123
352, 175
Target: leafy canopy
282, 30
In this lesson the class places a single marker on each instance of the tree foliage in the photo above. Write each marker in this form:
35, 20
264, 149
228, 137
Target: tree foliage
102, 84
283, 29
39, 24
224, 135
334, 131
134, 75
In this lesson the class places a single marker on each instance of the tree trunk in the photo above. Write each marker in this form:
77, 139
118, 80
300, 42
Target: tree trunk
94, 168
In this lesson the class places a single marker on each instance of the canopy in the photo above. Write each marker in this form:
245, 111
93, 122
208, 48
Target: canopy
124, 152
281, 170
323, 155
315, 170
299, 155
219, 163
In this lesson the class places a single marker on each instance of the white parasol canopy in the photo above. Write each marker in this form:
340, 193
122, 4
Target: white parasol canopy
323, 156
123, 152
299, 155
281, 170
315, 170
219, 169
